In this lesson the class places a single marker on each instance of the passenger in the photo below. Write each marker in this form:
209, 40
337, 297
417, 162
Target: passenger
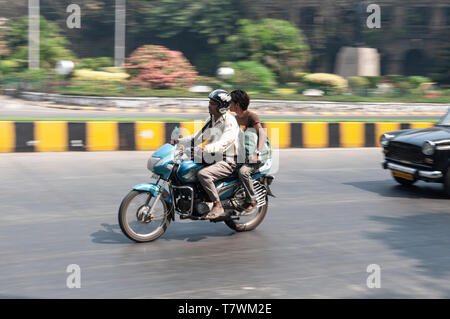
248, 120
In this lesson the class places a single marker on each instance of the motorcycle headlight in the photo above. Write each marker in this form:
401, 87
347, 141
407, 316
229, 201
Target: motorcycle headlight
152, 162
385, 138
428, 148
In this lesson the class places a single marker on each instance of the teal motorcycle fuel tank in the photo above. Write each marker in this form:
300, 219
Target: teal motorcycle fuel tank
187, 171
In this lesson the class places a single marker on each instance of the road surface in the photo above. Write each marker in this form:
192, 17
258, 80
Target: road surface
336, 212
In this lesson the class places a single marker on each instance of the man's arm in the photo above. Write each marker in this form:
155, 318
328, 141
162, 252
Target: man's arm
188, 139
261, 136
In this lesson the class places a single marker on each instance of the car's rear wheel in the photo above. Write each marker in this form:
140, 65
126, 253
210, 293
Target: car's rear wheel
404, 181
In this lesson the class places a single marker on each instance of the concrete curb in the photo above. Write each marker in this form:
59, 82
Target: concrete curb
54, 136
197, 105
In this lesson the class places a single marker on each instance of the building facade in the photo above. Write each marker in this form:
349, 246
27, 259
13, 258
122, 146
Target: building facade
411, 33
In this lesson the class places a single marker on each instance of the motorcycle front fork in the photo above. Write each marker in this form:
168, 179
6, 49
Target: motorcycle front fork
147, 202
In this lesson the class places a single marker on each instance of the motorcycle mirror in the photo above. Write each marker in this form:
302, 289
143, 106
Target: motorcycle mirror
175, 136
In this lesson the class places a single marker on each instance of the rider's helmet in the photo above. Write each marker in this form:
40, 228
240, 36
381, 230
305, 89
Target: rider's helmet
223, 98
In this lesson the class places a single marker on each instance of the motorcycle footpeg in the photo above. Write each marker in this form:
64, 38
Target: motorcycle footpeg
222, 219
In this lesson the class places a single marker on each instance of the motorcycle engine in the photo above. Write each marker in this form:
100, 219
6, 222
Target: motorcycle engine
203, 208
238, 200
183, 199
184, 205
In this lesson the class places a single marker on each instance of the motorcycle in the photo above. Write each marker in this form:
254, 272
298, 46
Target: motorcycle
146, 212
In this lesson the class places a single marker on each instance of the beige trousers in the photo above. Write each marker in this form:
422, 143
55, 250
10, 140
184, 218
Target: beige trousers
208, 175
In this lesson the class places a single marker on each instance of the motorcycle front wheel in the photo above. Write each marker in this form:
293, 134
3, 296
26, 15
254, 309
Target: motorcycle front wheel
250, 221
136, 222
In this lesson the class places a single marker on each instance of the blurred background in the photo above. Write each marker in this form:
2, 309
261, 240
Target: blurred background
336, 209
288, 49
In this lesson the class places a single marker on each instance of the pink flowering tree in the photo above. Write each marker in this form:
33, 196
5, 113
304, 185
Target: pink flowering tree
155, 67
3, 47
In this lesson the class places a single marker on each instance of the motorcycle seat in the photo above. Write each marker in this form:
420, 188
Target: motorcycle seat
235, 175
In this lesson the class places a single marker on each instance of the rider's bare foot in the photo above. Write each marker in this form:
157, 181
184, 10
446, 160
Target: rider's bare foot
216, 212
251, 206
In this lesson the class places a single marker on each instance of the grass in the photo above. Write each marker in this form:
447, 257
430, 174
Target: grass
152, 119
178, 93
353, 98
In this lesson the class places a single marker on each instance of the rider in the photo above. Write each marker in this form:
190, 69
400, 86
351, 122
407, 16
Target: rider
225, 141
246, 119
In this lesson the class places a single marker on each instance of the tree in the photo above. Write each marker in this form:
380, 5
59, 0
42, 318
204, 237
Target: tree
52, 43
197, 28
3, 46
442, 65
251, 75
278, 44
211, 19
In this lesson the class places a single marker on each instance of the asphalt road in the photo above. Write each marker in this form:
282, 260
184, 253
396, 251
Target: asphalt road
336, 213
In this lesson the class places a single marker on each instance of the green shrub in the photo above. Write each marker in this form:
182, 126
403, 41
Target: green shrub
212, 82
38, 74
251, 75
416, 81
405, 85
394, 78
8, 66
373, 81
29, 80
358, 82
330, 83
95, 64
278, 44
53, 46
299, 76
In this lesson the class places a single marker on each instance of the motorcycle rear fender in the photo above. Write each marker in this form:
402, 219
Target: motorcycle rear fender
154, 189
268, 179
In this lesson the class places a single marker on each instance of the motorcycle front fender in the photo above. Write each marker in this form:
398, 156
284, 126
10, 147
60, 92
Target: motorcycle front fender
154, 189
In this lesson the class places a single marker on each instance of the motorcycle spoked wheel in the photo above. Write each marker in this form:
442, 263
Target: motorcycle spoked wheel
143, 230
249, 222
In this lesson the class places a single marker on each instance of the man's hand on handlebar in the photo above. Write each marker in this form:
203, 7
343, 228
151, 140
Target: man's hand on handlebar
199, 149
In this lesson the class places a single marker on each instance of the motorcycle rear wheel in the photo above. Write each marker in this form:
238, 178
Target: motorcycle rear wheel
128, 217
251, 224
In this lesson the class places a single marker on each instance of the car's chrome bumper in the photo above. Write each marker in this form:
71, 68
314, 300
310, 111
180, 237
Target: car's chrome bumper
413, 171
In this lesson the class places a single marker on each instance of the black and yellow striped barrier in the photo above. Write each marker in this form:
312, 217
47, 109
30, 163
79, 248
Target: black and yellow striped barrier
55, 136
